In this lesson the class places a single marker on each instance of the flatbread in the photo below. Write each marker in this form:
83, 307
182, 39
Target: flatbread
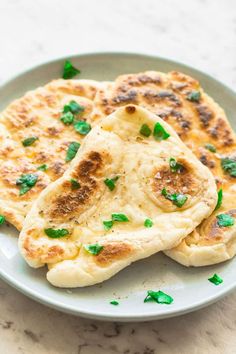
197, 122
37, 114
115, 148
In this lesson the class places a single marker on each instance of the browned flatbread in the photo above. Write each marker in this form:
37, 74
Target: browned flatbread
198, 123
38, 114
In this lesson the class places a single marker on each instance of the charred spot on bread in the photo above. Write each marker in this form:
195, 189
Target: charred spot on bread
113, 252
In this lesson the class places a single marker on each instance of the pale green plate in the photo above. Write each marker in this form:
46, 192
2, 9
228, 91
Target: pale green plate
189, 287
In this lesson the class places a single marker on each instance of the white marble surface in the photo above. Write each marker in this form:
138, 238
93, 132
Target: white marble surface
200, 33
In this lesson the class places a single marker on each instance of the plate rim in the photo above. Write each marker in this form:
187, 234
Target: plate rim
112, 316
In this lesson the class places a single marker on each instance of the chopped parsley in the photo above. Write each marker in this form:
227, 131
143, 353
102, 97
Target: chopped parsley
148, 223
82, 127
2, 219
225, 220
119, 217
74, 184
107, 224
160, 133
43, 167
73, 107
210, 147
26, 182
67, 118
159, 296
69, 71
114, 302
175, 166
72, 150
29, 141
216, 279
110, 182
177, 199
229, 165
56, 233
93, 249
145, 130
194, 96
220, 198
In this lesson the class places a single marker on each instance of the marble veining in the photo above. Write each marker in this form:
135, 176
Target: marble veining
200, 33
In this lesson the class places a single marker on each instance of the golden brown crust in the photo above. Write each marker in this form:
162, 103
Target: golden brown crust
113, 252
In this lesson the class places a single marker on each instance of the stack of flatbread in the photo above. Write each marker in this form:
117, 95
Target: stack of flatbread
97, 175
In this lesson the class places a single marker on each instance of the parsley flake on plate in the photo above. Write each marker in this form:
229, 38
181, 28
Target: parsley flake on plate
82, 127
177, 199
216, 279
225, 220
175, 166
107, 224
94, 249
29, 141
229, 166
72, 150
110, 182
159, 296
26, 182
2, 219
148, 223
43, 167
119, 217
74, 184
145, 130
69, 71
210, 147
194, 96
160, 133
56, 233
114, 302
220, 198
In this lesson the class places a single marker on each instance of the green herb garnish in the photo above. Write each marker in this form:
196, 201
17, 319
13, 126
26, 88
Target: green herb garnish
159, 297
74, 184
145, 130
26, 182
93, 249
67, 118
220, 198
210, 147
175, 166
72, 150
160, 133
148, 223
119, 217
225, 220
73, 107
107, 224
56, 233
69, 71
2, 219
114, 302
229, 165
43, 167
110, 183
194, 96
82, 127
177, 199
216, 279
29, 141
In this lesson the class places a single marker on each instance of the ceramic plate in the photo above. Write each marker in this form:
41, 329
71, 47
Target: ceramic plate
189, 287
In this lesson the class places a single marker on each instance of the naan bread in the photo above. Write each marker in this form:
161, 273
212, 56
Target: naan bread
37, 114
198, 121
115, 148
